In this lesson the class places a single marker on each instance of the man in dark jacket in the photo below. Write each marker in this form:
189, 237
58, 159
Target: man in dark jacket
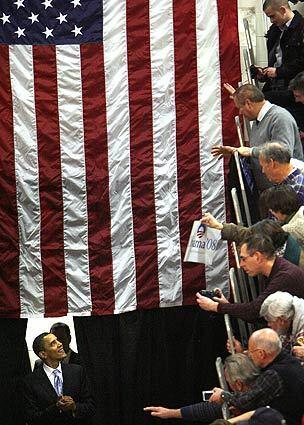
63, 334
285, 46
56, 393
283, 385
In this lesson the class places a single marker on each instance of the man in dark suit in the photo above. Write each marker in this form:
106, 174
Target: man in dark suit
56, 393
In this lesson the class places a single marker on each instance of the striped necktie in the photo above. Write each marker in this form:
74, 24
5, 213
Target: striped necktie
57, 382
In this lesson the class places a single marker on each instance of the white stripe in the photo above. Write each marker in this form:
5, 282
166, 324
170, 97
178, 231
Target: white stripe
73, 178
118, 127
210, 129
27, 180
164, 143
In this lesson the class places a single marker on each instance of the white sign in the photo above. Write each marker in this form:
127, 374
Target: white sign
202, 244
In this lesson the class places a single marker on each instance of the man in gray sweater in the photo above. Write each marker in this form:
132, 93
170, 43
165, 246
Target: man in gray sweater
269, 123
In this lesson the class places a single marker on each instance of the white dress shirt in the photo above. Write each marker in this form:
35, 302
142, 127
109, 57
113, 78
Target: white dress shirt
49, 373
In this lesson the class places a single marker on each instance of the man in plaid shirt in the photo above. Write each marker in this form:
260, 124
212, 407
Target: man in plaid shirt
281, 385
276, 164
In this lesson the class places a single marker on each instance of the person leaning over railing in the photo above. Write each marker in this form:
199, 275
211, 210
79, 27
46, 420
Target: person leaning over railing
282, 202
284, 314
257, 256
241, 375
285, 245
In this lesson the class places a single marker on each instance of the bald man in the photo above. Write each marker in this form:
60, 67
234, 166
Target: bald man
282, 383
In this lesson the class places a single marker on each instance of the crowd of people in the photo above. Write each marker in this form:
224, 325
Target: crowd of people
266, 378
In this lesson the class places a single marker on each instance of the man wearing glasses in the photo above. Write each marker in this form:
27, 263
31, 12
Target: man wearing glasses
281, 383
258, 257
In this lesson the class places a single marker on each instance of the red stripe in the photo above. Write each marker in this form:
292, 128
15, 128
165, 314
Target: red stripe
9, 237
141, 135
50, 183
97, 173
229, 64
230, 72
187, 137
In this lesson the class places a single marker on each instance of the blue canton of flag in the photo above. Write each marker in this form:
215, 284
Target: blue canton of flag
50, 21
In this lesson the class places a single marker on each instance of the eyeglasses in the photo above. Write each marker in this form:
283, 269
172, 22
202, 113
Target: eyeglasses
252, 351
244, 257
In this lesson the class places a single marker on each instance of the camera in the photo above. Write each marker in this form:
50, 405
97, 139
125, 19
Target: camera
210, 293
254, 70
206, 395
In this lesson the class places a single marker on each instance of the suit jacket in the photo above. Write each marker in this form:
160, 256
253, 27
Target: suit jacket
74, 359
39, 398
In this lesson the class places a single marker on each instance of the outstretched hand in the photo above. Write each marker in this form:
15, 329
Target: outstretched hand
231, 90
210, 221
163, 412
223, 150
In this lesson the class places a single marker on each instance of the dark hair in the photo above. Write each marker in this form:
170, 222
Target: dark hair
257, 242
250, 92
281, 198
38, 343
297, 83
275, 151
270, 229
60, 325
275, 4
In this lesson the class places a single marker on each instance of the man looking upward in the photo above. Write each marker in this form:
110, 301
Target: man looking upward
56, 393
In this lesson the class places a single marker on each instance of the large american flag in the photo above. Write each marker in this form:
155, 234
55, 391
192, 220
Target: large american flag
108, 113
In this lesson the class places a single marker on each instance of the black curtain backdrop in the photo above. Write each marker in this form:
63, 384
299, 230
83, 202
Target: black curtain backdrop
14, 365
162, 357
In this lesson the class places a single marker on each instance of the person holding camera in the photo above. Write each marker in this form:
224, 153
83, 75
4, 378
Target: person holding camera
240, 373
257, 256
282, 378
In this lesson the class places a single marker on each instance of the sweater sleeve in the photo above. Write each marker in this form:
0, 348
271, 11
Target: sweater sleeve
281, 130
233, 232
250, 312
203, 412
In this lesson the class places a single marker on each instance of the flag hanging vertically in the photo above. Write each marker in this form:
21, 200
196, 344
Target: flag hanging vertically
108, 111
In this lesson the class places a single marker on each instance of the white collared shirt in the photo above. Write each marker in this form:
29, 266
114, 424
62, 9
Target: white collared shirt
265, 108
49, 373
287, 23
